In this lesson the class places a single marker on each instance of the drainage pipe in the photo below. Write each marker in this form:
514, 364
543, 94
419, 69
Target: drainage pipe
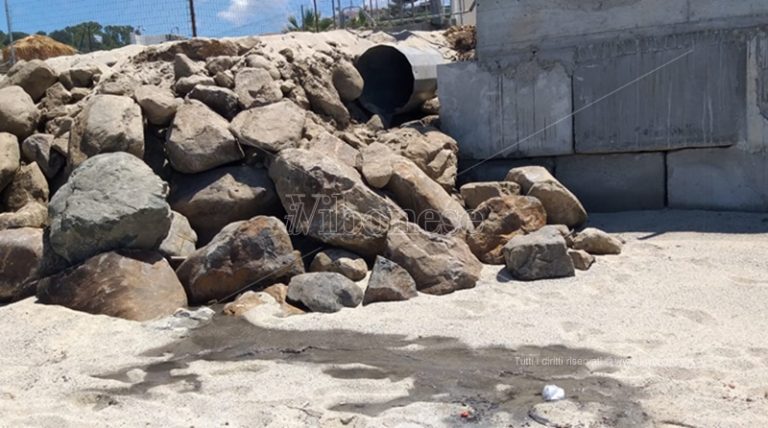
398, 79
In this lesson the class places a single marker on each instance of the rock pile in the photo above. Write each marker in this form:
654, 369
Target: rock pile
194, 171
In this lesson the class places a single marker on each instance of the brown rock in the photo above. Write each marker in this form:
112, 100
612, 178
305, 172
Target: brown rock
248, 254
595, 241
582, 260
135, 285
254, 88
21, 251
33, 214
498, 220
562, 206
475, 194
28, 185
340, 261
439, 264
432, 151
389, 282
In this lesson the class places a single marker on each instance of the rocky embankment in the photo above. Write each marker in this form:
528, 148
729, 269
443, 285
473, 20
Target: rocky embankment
195, 171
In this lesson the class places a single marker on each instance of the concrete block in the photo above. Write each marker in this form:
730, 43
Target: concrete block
620, 182
470, 107
723, 179
657, 98
537, 107
474, 170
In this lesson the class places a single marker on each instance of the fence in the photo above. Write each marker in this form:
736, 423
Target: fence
90, 25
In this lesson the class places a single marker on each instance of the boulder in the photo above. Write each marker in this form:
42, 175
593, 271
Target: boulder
43, 150
347, 81
325, 101
582, 260
595, 241
33, 214
562, 206
21, 251
199, 140
389, 282
274, 296
377, 165
475, 194
215, 198
254, 87
247, 254
324, 142
28, 186
56, 96
159, 105
107, 124
426, 202
258, 61
327, 200
9, 158
498, 220
35, 77
340, 261
181, 239
540, 255
225, 79
134, 285
439, 264
80, 76
271, 128
111, 201
221, 100
432, 151
185, 85
325, 292
185, 67
18, 114
220, 64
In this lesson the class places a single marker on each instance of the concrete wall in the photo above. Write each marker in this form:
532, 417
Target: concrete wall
634, 104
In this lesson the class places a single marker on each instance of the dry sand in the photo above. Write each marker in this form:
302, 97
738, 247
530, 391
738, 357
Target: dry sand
673, 333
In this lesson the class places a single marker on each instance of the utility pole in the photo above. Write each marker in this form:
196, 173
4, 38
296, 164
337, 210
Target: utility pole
303, 24
317, 21
192, 17
11, 48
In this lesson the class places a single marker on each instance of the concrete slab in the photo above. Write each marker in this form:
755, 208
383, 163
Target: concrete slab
474, 170
691, 94
609, 183
471, 108
726, 179
537, 107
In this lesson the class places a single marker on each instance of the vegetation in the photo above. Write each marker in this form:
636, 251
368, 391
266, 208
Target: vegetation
85, 37
310, 22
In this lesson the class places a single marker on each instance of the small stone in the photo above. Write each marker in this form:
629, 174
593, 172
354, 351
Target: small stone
185, 67
582, 260
185, 85
340, 261
325, 292
389, 282
219, 64
595, 241
225, 79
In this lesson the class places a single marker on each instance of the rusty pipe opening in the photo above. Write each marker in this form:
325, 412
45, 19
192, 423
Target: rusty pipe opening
398, 78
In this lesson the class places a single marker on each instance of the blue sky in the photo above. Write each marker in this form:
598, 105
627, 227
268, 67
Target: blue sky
214, 17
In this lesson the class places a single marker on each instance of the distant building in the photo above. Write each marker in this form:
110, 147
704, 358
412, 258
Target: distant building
464, 11
140, 39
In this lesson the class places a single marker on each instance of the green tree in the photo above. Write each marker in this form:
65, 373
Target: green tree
308, 23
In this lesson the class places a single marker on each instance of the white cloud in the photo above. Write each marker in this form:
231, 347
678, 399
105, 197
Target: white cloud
243, 11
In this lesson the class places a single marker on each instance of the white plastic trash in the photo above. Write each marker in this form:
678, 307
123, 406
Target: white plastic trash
553, 393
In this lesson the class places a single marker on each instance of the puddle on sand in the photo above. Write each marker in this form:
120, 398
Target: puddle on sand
441, 369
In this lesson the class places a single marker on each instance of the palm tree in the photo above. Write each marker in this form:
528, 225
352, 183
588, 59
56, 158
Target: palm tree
310, 22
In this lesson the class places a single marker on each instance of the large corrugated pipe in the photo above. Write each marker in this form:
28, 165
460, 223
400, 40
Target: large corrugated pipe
398, 78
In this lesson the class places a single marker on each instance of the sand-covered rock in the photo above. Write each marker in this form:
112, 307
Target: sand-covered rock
135, 285
249, 254
272, 128
112, 201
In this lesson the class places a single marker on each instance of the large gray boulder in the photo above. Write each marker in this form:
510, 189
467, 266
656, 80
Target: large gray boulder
10, 158
325, 292
159, 105
111, 201
199, 140
540, 255
271, 128
21, 251
248, 254
134, 285
107, 124
439, 264
562, 206
34, 76
389, 282
44, 150
18, 113
215, 198
327, 200
255, 87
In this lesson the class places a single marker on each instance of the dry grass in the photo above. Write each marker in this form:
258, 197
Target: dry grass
38, 47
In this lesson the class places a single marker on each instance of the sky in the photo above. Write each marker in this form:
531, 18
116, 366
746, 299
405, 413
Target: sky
215, 18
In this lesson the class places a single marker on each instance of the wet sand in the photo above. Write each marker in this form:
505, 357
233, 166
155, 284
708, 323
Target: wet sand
670, 333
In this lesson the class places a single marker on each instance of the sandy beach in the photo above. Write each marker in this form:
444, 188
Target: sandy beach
671, 333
